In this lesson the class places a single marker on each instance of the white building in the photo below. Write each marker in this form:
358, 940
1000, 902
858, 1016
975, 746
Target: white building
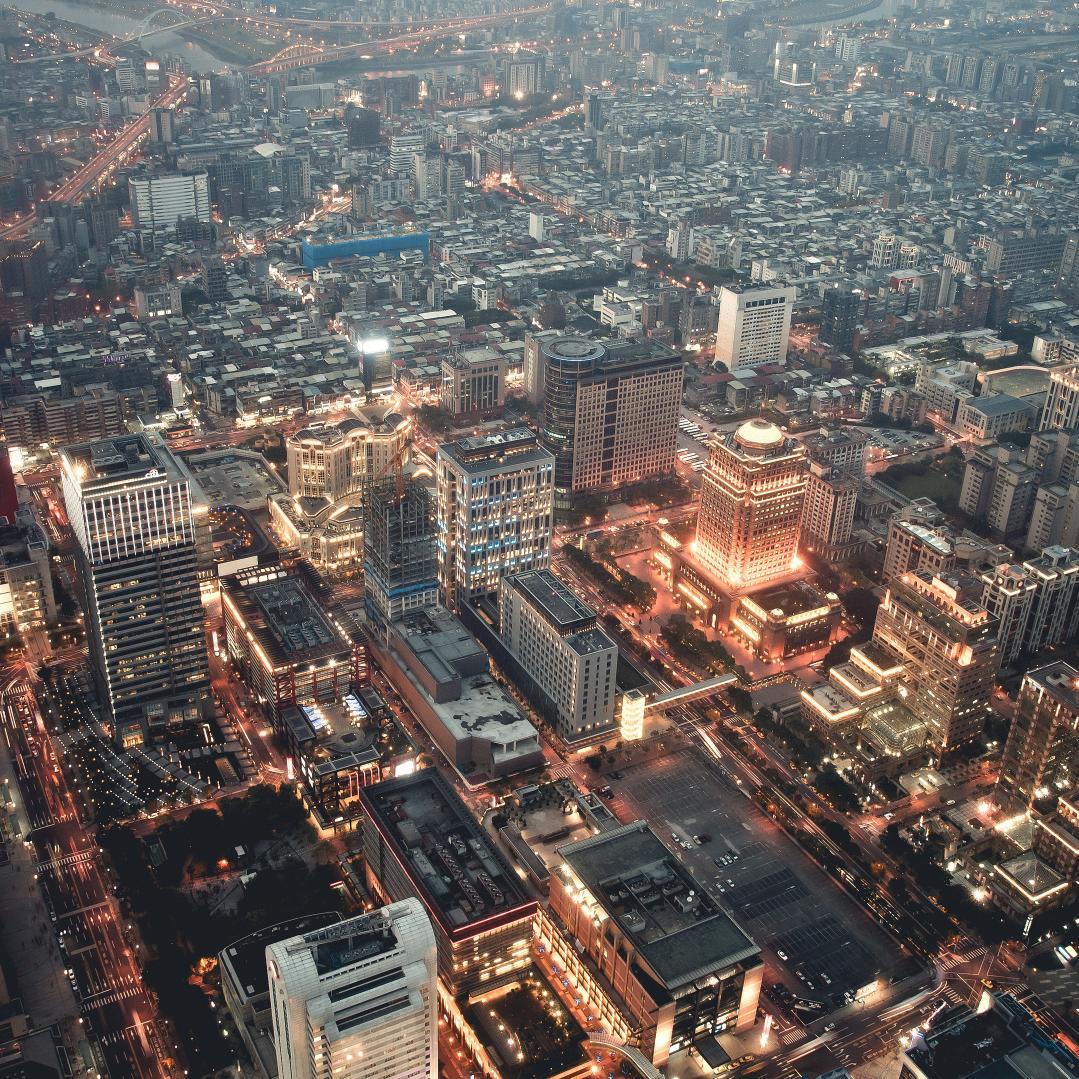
754, 325
159, 202
357, 1000
828, 511
554, 638
1061, 412
495, 511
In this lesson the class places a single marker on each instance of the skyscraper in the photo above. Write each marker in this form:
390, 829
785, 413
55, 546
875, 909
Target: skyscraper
1061, 412
840, 308
130, 507
947, 644
357, 999
1041, 756
610, 411
754, 324
495, 511
828, 512
400, 553
159, 202
752, 492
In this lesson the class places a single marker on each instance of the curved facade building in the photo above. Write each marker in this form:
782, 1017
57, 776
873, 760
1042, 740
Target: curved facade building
610, 412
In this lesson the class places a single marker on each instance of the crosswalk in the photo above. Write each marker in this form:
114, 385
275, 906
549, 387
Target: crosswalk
967, 957
792, 1037
112, 996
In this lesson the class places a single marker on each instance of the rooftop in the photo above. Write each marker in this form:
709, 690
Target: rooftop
124, 457
517, 446
562, 608
1060, 680
675, 925
461, 878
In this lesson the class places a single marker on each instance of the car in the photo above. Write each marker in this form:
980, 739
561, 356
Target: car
830, 1026
888, 816
782, 954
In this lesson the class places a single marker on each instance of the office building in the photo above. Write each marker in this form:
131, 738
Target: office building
752, 493
131, 509
474, 383
630, 925
162, 126
570, 663
337, 460
1035, 603
400, 549
754, 324
534, 363
495, 511
610, 412
357, 999
842, 450
841, 309
828, 514
421, 841
1041, 755
915, 545
1061, 411
290, 650
160, 202
946, 642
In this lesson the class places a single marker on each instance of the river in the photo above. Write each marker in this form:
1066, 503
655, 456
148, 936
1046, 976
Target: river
113, 22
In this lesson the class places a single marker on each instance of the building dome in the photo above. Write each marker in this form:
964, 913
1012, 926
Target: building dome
758, 435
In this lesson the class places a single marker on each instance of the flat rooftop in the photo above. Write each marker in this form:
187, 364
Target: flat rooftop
558, 604
514, 448
795, 597
234, 477
289, 624
107, 460
449, 858
247, 956
1061, 680
675, 925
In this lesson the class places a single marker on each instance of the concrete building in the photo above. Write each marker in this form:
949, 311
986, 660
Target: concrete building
1061, 411
133, 513
1041, 755
336, 460
629, 923
946, 642
400, 558
555, 640
421, 841
159, 202
289, 648
27, 601
752, 494
754, 325
535, 363
474, 383
357, 999
610, 412
917, 546
495, 498
828, 512
985, 418
842, 450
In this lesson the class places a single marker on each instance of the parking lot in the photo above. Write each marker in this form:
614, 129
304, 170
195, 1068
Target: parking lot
801, 918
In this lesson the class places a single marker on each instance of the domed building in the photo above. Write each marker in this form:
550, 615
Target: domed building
751, 507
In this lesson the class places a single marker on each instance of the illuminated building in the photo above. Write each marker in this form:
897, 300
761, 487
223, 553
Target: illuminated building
752, 493
328, 536
610, 411
26, 593
1041, 756
1061, 411
754, 325
495, 511
289, 649
420, 840
946, 641
336, 460
474, 383
828, 511
568, 663
787, 619
634, 930
400, 560
357, 999
131, 509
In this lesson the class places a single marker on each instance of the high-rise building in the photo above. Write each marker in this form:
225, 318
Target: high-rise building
1036, 603
840, 313
610, 411
1061, 411
754, 325
534, 363
334, 461
947, 644
495, 511
554, 639
400, 550
474, 383
752, 492
828, 512
160, 202
1041, 756
130, 506
357, 999
163, 128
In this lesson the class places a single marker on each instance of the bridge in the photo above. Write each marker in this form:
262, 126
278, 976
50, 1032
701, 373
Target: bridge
685, 694
296, 56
